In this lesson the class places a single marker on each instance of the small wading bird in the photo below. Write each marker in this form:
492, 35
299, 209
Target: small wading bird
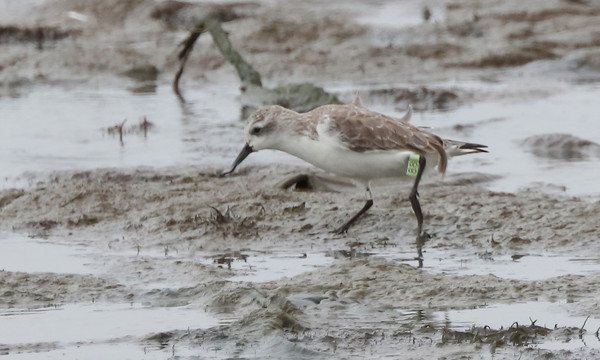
354, 142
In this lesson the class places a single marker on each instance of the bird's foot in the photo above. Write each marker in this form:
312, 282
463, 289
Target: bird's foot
421, 238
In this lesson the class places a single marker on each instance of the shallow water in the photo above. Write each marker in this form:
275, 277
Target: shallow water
21, 254
35, 255
528, 267
11, 9
268, 267
249, 266
504, 121
97, 322
103, 351
18, 253
53, 128
570, 112
80, 329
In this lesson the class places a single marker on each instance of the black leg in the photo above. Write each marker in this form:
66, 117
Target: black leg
414, 201
344, 228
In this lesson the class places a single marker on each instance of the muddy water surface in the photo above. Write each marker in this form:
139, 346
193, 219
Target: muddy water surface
58, 128
54, 128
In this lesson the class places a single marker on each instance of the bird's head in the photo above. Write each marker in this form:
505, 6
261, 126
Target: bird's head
261, 132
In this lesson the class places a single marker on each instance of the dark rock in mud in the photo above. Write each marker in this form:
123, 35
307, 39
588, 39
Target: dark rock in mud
312, 182
142, 73
561, 147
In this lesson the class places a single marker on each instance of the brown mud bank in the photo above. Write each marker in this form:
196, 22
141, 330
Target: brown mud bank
290, 42
195, 205
351, 305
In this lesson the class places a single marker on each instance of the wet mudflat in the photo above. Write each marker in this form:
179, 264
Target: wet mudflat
140, 237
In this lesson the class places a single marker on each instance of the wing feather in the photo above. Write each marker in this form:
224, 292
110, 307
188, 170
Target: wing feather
360, 129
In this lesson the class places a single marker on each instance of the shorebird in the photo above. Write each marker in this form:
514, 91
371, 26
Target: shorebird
355, 142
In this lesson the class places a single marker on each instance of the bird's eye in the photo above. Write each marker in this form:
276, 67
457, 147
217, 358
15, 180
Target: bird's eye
256, 130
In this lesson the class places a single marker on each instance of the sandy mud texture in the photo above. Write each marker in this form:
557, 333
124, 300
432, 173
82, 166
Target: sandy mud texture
349, 307
289, 42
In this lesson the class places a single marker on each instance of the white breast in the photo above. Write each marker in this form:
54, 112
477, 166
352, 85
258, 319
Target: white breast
330, 155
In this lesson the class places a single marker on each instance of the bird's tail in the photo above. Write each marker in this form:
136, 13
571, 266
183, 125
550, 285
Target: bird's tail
457, 148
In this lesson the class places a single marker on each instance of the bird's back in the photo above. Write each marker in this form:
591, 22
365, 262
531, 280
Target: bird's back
363, 130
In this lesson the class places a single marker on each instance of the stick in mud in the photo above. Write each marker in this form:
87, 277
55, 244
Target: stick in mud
184, 54
245, 71
300, 97
583, 326
117, 129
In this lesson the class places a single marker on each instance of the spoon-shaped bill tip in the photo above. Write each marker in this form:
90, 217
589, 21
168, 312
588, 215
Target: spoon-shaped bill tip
247, 150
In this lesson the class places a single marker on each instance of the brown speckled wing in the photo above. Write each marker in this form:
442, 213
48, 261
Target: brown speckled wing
363, 130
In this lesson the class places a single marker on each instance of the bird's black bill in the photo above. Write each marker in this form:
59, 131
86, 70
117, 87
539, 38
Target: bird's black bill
247, 150
475, 147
